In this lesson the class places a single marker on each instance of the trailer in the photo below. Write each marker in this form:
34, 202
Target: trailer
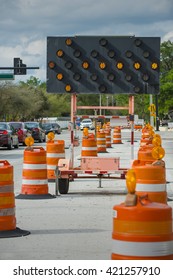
90, 168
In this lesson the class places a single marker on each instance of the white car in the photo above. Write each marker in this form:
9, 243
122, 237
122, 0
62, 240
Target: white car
86, 123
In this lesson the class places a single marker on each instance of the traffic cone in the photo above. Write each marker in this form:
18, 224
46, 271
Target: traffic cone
7, 203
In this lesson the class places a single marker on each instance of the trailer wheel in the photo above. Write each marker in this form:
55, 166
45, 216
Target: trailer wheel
63, 186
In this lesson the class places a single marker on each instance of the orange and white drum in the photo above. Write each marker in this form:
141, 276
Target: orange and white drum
34, 175
89, 146
117, 135
101, 141
7, 200
108, 137
151, 179
55, 150
142, 232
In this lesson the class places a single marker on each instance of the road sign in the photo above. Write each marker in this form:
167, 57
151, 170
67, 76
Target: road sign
6, 76
103, 64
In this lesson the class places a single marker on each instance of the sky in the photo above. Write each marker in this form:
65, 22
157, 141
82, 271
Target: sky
26, 24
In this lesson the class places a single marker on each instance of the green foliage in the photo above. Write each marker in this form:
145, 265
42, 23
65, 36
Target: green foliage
166, 56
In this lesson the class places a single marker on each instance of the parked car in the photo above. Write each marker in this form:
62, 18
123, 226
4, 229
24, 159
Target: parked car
21, 131
47, 127
86, 123
36, 131
8, 136
56, 128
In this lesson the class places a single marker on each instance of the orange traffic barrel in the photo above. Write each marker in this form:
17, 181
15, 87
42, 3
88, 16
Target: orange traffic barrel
142, 231
146, 136
54, 151
151, 179
101, 141
145, 153
108, 137
7, 203
89, 146
137, 127
117, 135
145, 141
34, 175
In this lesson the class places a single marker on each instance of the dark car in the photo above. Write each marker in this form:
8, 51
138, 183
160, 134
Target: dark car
47, 127
21, 131
8, 136
36, 131
56, 128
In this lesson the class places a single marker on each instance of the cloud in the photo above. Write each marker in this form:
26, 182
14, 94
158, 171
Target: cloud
25, 24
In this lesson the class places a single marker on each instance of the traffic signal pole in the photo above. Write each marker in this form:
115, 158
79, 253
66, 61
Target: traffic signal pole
18, 67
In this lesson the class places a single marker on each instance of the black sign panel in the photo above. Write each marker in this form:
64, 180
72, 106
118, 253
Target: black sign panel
103, 64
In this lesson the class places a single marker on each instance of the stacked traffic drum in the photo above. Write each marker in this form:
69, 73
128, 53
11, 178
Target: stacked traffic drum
150, 170
142, 229
146, 135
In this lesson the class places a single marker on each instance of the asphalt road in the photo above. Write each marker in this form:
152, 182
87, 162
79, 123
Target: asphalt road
78, 225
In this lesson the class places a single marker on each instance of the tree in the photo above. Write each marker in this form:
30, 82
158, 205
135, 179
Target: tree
166, 56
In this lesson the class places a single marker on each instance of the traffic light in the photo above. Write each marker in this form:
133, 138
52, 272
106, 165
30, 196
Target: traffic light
103, 64
21, 68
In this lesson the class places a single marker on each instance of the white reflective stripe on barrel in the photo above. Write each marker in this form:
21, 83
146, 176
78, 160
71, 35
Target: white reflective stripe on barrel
55, 155
7, 212
151, 187
34, 166
51, 167
34, 182
142, 249
89, 148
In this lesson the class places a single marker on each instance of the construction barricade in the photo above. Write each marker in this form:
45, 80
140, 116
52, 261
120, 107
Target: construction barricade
142, 230
147, 135
145, 151
108, 137
89, 146
101, 141
34, 175
7, 203
151, 179
117, 135
55, 150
